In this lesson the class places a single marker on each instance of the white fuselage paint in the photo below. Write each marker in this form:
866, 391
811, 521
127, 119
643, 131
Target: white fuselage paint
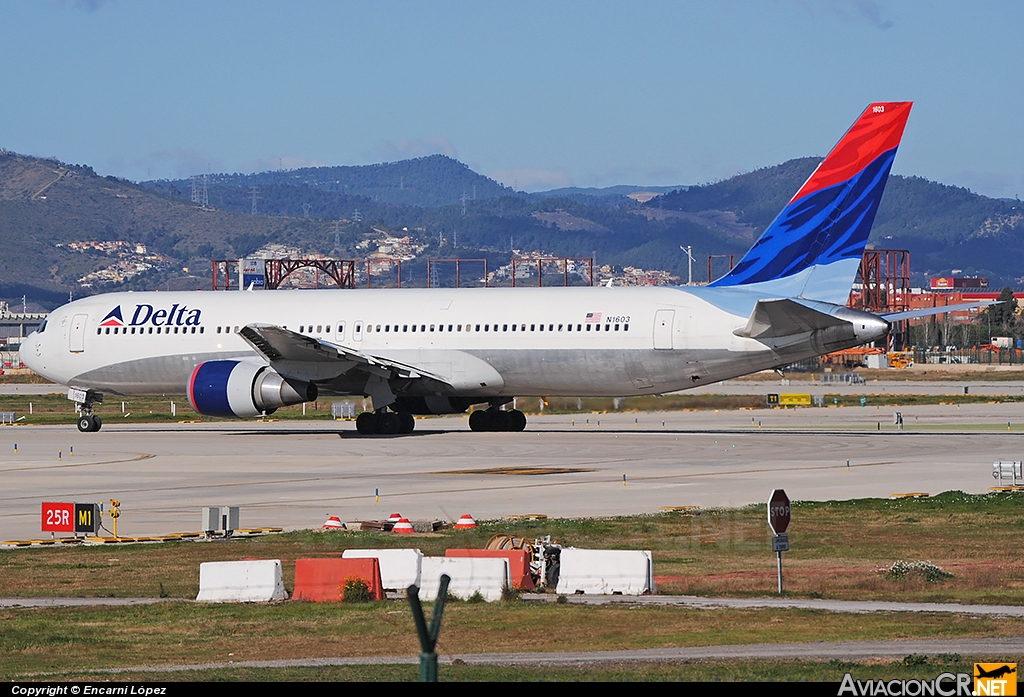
647, 340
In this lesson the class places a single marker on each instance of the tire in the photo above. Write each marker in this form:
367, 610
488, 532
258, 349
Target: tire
408, 422
390, 423
85, 424
479, 421
366, 423
501, 421
518, 420
97, 423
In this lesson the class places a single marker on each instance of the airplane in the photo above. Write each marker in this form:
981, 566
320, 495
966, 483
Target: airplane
440, 351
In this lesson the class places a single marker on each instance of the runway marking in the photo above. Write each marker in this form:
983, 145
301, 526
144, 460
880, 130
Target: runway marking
137, 458
520, 470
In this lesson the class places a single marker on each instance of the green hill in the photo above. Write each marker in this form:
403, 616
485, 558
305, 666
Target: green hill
46, 205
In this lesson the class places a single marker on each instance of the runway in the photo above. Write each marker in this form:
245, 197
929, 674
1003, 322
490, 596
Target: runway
293, 474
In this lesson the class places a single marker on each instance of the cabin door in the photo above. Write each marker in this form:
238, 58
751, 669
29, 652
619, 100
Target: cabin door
663, 321
76, 338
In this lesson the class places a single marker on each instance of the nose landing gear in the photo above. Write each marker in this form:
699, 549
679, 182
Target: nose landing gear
84, 401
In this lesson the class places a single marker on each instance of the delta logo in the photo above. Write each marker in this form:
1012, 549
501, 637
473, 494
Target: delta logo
113, 318
177, 315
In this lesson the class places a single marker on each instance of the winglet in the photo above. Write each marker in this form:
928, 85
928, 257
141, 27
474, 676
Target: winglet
813, 248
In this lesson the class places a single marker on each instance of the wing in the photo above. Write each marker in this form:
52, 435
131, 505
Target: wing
286, 349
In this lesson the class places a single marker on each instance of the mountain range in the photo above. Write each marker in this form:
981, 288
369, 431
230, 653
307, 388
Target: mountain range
154, 235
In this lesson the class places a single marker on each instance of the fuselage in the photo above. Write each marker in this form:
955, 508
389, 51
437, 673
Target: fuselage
538, 341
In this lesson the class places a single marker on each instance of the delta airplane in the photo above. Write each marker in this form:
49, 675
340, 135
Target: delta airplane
441, 351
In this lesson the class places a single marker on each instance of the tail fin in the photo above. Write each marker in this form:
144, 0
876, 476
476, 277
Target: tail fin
813, 247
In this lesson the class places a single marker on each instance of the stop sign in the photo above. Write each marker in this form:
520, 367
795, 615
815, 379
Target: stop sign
778, 512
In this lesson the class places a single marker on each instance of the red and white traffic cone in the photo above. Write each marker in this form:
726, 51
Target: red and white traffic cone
403, 527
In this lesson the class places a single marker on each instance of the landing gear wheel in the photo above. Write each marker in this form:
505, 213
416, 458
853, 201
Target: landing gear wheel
518, 420
88, 423
479, 421
390, 423
408, 422
366, 423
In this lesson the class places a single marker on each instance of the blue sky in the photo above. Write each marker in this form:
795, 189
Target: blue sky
535, 94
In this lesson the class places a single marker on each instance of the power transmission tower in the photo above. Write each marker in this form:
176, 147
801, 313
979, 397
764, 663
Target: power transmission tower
255, 191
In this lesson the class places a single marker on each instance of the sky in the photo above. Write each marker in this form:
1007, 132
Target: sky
537, 95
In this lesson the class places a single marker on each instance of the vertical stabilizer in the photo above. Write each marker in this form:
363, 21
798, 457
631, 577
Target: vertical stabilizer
813, 247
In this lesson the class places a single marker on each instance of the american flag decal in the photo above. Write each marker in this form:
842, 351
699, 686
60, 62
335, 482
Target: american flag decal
593, 317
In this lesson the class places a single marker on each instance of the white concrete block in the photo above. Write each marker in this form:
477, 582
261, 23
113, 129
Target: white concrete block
258, 581
469, 575
399, 568
606, 572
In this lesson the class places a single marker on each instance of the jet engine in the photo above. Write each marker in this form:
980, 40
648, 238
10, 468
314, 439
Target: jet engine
244, 389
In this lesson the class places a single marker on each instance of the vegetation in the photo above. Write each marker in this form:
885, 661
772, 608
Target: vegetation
839, 549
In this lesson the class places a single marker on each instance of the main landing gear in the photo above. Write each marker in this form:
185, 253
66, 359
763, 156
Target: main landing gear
388, 423
84, 401
497, 420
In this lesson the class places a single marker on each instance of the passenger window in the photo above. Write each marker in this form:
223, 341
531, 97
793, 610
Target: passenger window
319, 328
542, 327
625, 327
414, 327
533, 327
202, 330
616, 327
431, 327
478, 327
99, 330
551, 327
387, 328
423, 327
559, 327
458, 327
588, 327
486, 327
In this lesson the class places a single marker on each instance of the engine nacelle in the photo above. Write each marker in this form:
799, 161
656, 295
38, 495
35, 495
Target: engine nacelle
244, 389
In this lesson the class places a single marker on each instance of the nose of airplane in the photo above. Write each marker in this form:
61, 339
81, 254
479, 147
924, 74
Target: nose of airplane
30, 351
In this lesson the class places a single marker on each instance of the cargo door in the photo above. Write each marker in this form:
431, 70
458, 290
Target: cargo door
76, 337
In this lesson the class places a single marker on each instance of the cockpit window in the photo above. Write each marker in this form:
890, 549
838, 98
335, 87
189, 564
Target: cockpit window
42, 327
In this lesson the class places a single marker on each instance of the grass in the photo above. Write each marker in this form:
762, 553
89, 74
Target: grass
909, 668
67, 640
839, 549
55, 408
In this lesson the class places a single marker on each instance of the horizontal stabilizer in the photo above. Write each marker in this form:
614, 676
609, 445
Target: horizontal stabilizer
931, 311
772, 319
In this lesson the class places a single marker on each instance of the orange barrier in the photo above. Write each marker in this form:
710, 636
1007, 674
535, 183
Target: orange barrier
518, 563
323, 580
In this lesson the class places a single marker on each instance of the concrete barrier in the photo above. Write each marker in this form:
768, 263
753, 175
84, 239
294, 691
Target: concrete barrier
468, 575
518, 563
399, 568
256, 581
323, 580
605, 572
